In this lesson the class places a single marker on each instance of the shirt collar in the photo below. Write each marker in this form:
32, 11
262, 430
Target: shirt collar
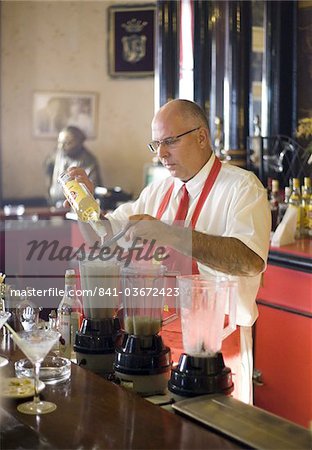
194, 185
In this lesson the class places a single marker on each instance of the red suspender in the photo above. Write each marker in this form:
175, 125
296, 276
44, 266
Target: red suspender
206, 190
203, 196
164, 203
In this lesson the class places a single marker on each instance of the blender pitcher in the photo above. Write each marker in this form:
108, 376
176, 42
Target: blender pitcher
204, 303
100, 329
143, 298
100, 288
142, 359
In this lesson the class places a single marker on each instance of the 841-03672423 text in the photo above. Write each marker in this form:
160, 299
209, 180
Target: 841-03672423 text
101, 291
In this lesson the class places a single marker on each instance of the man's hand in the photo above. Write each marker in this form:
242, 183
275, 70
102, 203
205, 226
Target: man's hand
80, 175
148, 227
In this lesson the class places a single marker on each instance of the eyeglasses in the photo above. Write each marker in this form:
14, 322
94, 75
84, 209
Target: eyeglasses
154, 145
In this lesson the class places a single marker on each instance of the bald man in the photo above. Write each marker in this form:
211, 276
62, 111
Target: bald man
228, 215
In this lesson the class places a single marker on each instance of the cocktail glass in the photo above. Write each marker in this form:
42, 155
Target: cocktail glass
36, 344
4, 315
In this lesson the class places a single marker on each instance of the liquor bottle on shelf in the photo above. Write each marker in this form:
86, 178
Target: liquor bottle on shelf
269, 187
305, 204
295, 201
69, 314
274, 200
287, 194
284, 204
310, 217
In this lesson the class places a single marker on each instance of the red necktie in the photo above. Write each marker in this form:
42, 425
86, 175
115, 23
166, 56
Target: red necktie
183, 206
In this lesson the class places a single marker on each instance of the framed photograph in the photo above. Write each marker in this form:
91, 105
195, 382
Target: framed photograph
131, 40
52, 111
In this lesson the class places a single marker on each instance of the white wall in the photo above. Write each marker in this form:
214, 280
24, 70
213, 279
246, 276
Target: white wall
62, 46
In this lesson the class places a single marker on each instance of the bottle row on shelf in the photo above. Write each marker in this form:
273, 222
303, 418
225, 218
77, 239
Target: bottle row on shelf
296, 196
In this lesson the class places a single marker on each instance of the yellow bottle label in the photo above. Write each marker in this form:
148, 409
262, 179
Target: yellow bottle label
89, 214
74, 193
309, 214
305, 217
299, 217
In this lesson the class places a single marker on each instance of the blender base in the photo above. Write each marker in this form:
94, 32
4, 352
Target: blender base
200, 376
101, 364
145, 384
95, 344
143, 363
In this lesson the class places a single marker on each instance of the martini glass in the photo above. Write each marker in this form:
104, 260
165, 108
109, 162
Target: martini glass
36, 344
4, 315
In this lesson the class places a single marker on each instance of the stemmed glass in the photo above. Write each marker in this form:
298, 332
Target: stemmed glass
36, 344
4, 315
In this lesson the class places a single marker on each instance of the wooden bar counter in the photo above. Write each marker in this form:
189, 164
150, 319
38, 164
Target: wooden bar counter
93, 413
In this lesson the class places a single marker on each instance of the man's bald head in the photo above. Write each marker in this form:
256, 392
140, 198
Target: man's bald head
188, 110
181, 130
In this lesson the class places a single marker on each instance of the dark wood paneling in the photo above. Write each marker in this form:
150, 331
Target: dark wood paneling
281, 67
167, 59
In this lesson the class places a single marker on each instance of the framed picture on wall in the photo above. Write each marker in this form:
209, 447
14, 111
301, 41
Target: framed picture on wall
52, 111
131, 45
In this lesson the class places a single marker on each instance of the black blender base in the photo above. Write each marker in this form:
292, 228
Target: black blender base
143, 363
95, 344
200, 376
101, 364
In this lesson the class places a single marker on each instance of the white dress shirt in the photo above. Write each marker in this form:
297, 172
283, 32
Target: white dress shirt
236, 207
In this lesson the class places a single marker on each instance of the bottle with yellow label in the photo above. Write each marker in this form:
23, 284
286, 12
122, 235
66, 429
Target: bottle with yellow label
82, 202
295, 201
310, 218
305, 202
80, 198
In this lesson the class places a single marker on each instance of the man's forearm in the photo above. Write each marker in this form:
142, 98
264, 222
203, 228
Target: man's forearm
225, 254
